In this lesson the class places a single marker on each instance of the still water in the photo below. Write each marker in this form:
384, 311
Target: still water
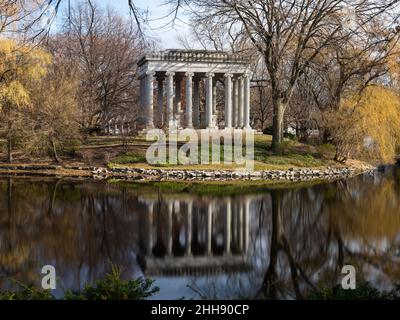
281, 243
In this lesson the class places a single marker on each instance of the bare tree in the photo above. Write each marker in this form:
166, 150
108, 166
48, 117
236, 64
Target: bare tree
291, 34
104, 49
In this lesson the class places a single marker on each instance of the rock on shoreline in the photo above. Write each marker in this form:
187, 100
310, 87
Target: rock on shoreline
294, 174
128, 173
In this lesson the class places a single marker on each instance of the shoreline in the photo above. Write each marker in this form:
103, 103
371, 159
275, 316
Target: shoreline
176, 174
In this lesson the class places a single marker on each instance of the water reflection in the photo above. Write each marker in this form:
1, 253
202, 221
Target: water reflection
279, 244
193, 235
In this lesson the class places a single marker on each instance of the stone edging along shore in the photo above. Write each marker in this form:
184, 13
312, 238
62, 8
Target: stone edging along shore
128, 173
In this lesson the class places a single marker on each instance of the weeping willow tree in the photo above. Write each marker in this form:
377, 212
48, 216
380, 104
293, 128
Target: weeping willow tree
21, 68
367, 125
54, 113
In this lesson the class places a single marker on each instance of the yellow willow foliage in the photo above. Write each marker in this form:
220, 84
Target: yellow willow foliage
372, 221
368, 124
394, 68
16, 258
21, 66
393, 65
15, 93
380, 119
374, 217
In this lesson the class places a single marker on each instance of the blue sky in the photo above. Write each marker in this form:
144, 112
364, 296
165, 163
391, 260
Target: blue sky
156, 9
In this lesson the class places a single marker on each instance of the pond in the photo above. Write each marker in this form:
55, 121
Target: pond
279, 242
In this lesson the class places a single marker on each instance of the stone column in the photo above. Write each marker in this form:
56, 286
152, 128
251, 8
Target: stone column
141, 94
170, 229
241, 103
189, 99
246, 122
170, 99
149, 100
209, 100
240, 228
209, 228
196, 102
160, 96
246, 227
228, 100
149, 231
215, 119
188, 249
214, 96
177, 206
228, 223
143, 97
235, 97
178, 93
178, 102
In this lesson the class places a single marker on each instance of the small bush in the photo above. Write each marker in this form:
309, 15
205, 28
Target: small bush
71, 146
112, 287
290, 136
326, 149
363, 291
27, 293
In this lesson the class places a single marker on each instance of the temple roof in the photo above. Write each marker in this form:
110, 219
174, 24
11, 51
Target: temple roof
193, 266
182, 55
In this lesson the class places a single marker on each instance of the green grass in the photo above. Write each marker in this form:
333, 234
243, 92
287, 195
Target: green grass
293, 160
129, 158
292, 155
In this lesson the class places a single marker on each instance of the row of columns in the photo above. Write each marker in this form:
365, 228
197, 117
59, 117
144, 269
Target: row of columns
241, 227
237, 100
118, 129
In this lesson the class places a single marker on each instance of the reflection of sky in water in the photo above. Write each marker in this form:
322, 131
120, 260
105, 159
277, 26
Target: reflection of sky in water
80, 227
221, 287
177, 288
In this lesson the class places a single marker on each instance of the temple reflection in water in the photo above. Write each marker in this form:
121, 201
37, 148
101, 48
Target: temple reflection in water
179, 237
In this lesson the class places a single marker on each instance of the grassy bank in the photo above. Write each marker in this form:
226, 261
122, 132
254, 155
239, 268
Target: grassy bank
113, 151
292, 155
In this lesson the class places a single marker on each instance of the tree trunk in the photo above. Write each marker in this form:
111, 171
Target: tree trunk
277, 125
269, 287
9, 150
54, 149
53, 197
9, 143
9, 196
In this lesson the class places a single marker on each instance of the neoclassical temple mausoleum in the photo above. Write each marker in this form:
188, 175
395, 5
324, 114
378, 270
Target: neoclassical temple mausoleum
165, 75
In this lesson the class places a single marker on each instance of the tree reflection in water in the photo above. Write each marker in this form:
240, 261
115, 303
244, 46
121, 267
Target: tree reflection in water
315, 231
280, 244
